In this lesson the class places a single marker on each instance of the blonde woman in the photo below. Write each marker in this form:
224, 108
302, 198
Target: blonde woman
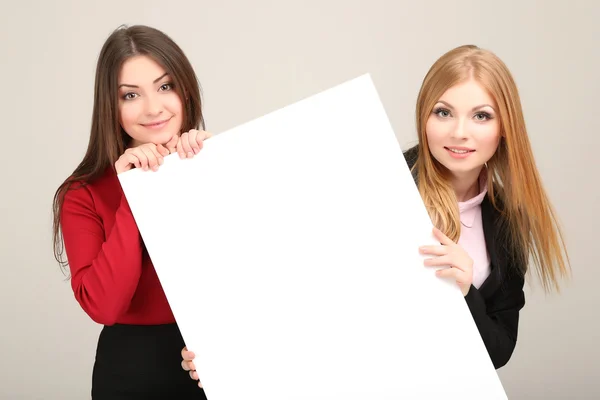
476, 173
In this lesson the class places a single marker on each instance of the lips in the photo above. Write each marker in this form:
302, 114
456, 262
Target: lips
459, 150
156, 124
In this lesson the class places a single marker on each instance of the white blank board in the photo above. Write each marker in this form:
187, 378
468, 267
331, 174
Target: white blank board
288, 250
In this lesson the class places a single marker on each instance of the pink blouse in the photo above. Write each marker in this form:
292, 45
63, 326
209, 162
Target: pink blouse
471, 237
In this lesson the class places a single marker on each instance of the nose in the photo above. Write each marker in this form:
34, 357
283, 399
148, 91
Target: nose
153, 105
459, 131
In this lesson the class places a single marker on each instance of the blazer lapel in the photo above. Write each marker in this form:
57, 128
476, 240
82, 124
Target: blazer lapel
488, 216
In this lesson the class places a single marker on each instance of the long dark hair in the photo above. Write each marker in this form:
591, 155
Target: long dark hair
108, 140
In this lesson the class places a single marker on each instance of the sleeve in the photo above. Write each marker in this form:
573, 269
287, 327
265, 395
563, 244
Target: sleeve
105, 271
498, 320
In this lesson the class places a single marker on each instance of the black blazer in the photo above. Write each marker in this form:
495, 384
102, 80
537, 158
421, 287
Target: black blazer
496, 304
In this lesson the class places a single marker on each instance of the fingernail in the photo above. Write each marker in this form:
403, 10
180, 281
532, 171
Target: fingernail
161, 161
155, 168
190, 154
196, 151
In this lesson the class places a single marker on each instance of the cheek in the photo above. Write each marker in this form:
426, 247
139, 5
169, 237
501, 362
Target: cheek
434, 130
174, 105
488, 138
128, 115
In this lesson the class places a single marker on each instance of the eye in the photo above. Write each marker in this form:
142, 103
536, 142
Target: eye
166, 86
129, 96
442, 112
483, 116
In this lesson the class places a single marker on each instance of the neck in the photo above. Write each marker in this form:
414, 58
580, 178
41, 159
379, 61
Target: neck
466, 186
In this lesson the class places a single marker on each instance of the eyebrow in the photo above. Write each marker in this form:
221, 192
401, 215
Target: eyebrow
473, 109
134, 86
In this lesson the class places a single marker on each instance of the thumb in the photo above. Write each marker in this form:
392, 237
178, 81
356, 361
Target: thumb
445, 240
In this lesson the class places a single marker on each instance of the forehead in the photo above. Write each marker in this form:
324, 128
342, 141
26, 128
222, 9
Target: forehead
140, 70
467, 95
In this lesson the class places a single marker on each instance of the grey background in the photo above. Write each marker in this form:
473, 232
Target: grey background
253, 58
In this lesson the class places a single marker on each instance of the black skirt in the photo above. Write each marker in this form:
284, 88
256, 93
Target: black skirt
142, 362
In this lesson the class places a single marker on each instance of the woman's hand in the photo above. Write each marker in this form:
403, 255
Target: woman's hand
188, 364
148, 156
450, 253
190, 143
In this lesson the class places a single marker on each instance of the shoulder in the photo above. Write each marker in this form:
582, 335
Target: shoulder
87, 194
411, 155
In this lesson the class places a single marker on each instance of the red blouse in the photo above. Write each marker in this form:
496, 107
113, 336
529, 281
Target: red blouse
112, 276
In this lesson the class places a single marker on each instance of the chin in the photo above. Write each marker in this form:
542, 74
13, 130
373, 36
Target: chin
161, 138
464, 169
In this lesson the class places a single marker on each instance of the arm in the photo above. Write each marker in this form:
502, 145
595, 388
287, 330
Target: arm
498, 320
105, 270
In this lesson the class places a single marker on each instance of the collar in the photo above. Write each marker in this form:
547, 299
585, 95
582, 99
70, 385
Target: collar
468, 209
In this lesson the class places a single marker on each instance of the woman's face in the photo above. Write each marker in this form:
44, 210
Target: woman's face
463, 130
150, 110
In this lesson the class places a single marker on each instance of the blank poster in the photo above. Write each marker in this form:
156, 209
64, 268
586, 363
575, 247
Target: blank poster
288, 250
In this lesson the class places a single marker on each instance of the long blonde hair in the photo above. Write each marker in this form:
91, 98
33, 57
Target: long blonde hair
513, 178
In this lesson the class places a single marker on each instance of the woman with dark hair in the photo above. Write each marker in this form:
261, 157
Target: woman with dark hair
146, 105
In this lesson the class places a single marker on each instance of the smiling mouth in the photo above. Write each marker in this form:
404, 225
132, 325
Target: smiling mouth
459, 150
157, 123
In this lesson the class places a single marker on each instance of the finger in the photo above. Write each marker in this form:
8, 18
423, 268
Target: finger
171, 145
188, 365
159, 156
441, 237
187, 149
202, 136
441, 261
180, 150
448, 260
152, 159
142, 157
454, 273
125, 163
194, 138
133, 159
162, 150
434, 250
447, 273
130, 157
188, 355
